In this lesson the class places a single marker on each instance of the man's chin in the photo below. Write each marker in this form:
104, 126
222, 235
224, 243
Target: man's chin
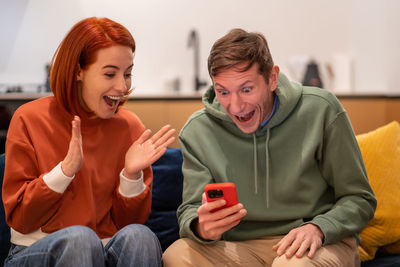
247, 129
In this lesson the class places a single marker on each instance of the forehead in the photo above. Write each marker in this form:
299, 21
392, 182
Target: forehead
236, 75
120, 56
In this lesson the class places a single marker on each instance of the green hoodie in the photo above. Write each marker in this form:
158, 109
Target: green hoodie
303, 166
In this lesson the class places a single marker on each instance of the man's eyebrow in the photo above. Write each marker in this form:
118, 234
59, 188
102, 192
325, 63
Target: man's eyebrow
241, 85
246, 82
219, 85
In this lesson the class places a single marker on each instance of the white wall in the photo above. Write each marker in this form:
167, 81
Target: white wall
366, 31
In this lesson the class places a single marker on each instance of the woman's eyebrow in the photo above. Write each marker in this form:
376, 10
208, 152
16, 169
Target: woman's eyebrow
115, 67
110, 66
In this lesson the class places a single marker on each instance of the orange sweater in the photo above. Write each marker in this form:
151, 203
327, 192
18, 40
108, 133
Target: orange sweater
38, 140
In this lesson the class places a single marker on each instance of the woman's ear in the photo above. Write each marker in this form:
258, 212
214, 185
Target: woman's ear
79, 74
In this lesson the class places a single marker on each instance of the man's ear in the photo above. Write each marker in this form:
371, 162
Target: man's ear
273, 78
79, 75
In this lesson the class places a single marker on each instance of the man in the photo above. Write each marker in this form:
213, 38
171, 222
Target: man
292, 154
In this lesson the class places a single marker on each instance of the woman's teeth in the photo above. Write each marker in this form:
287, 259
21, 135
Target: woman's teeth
114, 97
112, 100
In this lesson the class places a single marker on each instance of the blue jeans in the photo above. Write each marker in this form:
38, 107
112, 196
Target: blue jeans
133, 245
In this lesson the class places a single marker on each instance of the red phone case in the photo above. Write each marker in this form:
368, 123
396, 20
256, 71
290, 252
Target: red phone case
225, 191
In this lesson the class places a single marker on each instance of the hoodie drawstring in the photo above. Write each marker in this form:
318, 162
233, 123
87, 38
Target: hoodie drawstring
267, 169
266, 166
255, 163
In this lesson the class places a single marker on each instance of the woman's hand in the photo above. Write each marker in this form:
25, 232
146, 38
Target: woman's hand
146, 150
74, 159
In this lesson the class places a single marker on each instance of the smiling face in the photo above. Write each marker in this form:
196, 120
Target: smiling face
246, 96
106, 81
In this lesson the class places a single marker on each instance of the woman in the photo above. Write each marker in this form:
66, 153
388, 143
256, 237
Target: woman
78, 173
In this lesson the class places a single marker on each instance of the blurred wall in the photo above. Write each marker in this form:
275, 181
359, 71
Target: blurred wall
367, 32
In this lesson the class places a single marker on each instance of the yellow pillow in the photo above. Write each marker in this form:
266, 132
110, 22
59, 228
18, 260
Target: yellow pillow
381, 152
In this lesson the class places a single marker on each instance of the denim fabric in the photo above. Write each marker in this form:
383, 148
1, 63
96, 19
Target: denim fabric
134, 245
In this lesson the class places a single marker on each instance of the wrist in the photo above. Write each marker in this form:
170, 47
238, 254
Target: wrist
131, 176
194, 226
65, 170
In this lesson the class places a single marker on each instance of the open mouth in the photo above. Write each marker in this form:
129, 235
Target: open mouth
112, 101
246, 117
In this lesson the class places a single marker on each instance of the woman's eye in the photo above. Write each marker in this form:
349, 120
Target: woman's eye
110, 75
128, 75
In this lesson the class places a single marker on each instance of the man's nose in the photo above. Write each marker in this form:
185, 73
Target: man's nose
236, 103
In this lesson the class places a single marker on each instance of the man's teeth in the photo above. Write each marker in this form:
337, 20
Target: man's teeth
245, 117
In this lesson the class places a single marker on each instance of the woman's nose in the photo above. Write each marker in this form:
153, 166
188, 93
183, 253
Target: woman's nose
122, 85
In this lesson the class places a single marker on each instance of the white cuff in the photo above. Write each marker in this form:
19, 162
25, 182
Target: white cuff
129, 187
56, 180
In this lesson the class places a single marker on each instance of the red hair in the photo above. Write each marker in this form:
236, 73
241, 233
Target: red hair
77, 51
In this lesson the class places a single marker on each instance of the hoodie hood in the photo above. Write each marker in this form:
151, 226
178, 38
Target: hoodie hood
288, 92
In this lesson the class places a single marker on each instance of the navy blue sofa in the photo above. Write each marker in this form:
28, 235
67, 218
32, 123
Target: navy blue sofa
167, 195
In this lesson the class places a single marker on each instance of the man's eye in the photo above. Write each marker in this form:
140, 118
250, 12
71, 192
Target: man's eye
223, 92
247, 89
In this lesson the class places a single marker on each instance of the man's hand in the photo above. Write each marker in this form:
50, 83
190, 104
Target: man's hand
211, 225
299, 240
146, 150
74, 159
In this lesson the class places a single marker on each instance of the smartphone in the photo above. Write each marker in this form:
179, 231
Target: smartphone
218, 191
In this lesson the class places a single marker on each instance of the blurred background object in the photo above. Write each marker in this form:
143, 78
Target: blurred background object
5, 118
195, 43
342, 73
367, 31
312, 77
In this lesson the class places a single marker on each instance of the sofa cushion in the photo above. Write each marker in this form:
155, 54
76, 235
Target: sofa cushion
4, 228
165, 225
381, 153
167, 196
167, 180
382, 260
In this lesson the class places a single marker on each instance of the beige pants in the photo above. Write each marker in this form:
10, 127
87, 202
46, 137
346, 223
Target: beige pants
186, 252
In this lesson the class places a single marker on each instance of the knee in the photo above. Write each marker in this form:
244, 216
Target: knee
174, 254
282, 261
135, 232
80, 238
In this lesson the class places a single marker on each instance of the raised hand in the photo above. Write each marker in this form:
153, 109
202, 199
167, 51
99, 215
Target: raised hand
74, 159
146, 150
300, 240
211, 225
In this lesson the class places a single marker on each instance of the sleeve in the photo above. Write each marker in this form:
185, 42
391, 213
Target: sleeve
343, 168
131, 188
135, 208
28, 201
196, 176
